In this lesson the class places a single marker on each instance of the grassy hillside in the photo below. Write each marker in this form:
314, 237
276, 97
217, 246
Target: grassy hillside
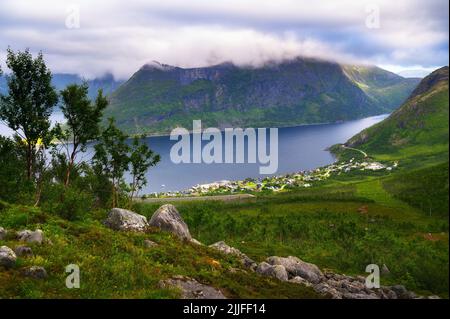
419, 128
118, 265
158, 98
398, 219
384, 87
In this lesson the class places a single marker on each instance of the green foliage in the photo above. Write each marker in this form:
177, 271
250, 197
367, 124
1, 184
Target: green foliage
332, 226
13, 184
424, 188
111, 157
75, 204
418, 128
118, 265
141, 159
29, 103
83, 119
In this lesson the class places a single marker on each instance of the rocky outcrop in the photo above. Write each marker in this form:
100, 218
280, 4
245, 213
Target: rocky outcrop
7, 257
29, 236
168, 218
196, 242
276, 271
35, 272
336, 286
228, 250
191, 289
23, 251
125, 220
3, 233
297, 267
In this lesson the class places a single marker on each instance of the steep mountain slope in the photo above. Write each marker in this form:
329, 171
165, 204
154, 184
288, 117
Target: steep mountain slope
419, 126
159, 97
386, 88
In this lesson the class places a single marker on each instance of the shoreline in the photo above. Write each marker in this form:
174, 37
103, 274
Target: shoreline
167, 134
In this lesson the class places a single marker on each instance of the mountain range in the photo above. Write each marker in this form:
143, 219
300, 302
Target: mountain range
159, 97
61, 80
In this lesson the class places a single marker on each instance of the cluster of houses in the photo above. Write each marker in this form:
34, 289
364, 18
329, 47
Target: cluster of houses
302, 179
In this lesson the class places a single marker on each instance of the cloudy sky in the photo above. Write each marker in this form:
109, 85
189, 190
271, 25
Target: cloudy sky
94, 37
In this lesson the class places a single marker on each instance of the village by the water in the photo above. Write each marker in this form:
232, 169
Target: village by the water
279, 183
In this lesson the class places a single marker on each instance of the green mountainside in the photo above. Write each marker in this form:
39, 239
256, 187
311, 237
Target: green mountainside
159, 97
418, 127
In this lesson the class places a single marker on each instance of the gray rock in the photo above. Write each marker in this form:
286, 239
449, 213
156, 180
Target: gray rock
402, 292
352, 287
29, 236
280, 273
7, 257
191, 289
35, 272
386, 293
299, 280
228, 250
276, 271
296, 267
23, 251
325, 289
149, 244
3, 233
125, 220
196, 242
169, 219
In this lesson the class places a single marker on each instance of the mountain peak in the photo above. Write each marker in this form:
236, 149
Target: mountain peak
158, 66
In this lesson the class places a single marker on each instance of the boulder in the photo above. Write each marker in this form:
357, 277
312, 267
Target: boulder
7, 257
125, 220
299, 280
167, 218
325, 289
276, 271
35, 272
3, 233
228, 250
196, 242
29, 236
296, 267
191, 289
400, 291
23, 251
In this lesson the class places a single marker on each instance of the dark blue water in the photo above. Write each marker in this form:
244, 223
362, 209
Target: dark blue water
299, 148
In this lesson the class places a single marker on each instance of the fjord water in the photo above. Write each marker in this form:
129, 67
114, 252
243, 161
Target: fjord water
299, 148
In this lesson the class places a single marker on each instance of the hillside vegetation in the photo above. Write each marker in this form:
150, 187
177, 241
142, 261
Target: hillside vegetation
418, 128
158, 97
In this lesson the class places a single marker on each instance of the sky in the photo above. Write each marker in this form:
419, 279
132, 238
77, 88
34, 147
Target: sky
95, 37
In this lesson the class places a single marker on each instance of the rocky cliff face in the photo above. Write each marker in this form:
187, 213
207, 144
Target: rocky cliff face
160, 97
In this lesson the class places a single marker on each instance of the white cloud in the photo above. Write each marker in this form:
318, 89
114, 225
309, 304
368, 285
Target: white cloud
117, 36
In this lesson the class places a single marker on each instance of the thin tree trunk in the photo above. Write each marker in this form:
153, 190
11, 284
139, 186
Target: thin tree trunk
70, 165
29, 161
